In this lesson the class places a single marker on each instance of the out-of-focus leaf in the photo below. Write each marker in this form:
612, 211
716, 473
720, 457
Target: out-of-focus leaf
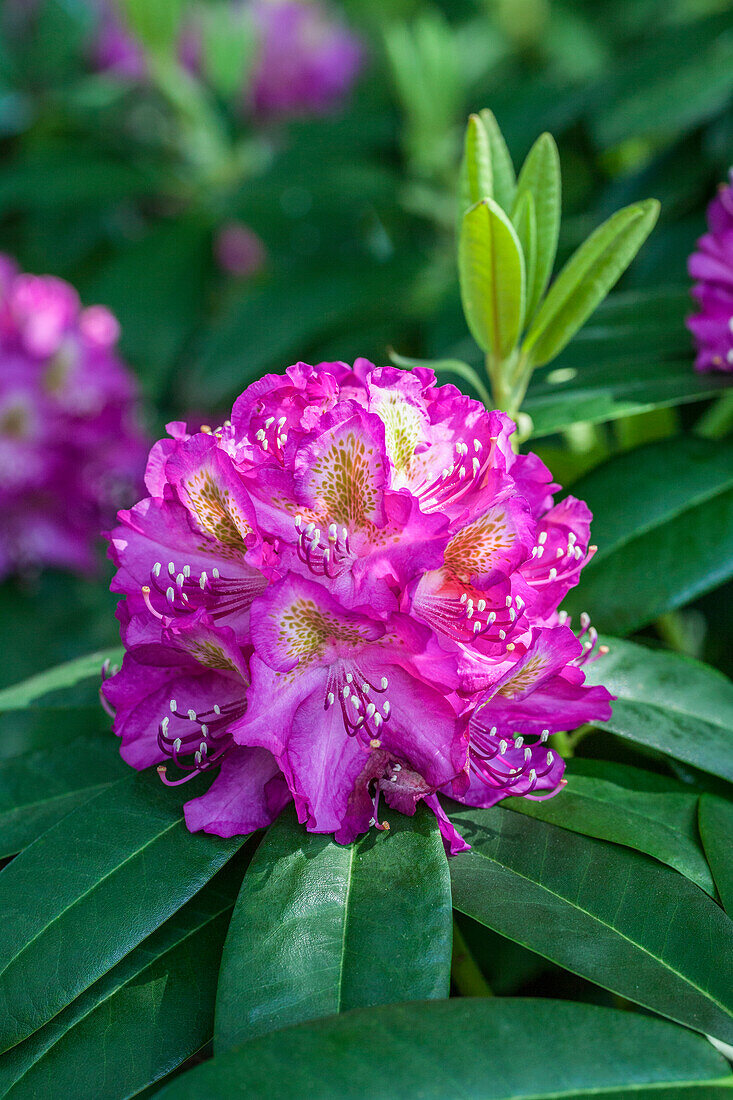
662, 540
469, 1049
716, 830
682, 76
37, 789
540, 178
629, 806
577, 901
307, 936
55, 679
491, 270
155, 288
669, 703
156, 25
49, 178
89, 890
524, 220
138, 1022
587, 277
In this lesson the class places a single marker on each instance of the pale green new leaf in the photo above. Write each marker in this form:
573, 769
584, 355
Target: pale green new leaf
491, 269
587, 277
476, 181
502, 169
524, 219
540, 178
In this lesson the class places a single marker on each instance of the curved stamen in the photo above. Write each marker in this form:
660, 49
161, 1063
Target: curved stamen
205, 736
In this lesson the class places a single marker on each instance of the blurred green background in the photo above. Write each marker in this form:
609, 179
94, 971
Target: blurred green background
123, 187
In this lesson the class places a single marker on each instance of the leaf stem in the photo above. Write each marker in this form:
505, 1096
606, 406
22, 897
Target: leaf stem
465, 973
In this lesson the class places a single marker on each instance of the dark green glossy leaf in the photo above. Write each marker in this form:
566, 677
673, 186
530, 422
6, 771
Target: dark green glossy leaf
37, 789
501, 1049
629, 806
138, 1022
716, 830
605, 912
54, 679
89, 890
669, 703
662, 540
321, 927
492, 277
587, 277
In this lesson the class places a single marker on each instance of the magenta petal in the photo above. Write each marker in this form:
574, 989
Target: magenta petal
247, 794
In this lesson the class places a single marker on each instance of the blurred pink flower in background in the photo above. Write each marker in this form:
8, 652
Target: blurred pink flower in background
71, 448
238, 250
712, 268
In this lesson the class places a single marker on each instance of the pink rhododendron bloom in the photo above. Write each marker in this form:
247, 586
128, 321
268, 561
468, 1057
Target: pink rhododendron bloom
71, 451
349, 593
712, 268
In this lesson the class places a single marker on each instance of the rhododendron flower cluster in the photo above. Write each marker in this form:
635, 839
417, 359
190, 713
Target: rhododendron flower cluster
348, 593
305, 62
71, 450
712, 266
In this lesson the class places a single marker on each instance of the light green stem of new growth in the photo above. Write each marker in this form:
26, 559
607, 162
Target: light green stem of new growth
509, 380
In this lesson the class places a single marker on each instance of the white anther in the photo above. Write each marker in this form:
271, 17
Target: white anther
177, 744
519, 602
550, 757
330, 699
386, 708
509, 601
384, 683
332, 531
298, 521
512, 614
310, 529
563, 617
170, 595
187, 571
528, 754
492, 618
560, 552
365, 688
281, 421
572, 538
264, 444
493, 731
171, 568
192, 714
584, 620
270, 421
540, 551
477, 444
544, 735
502, 634
377, 721
393, 778
204, 730
553, 574
156, 569
469, 610
518, 742
316, 536
542, 538
477, 626
481, 605
344, 534
346, 691
532, 775
203, 748
446, 473
326, 555
164, 725
464, 597
202, 581
356, 701
372, 822
476, 466
260, 435
173, 706
197, 757
503, 747
578, 552
179, 580
370, 710
349, 678
396, 767
217, 708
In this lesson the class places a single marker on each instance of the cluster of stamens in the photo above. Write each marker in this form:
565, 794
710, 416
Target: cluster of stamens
567, 558
272, 436
325, 557
455, 479
362, 716
200, 743
488, 758
183, 591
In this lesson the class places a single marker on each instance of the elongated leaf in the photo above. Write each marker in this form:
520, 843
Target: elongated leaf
540, 178
55, 679
138, 1022
629, 806
605, 912
308, 932
491, 270
661, 540
524, 220
469, 1049
89, 890
587, 277
669, 703
37, 789
476, 179
502, 169
716, 830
